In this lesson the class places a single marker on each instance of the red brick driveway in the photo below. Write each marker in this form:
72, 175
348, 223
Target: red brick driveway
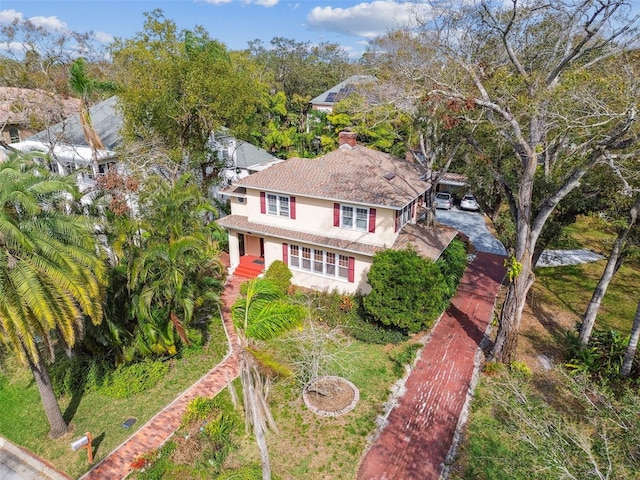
419, 433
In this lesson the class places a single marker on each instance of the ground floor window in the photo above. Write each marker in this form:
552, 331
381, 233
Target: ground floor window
321, 262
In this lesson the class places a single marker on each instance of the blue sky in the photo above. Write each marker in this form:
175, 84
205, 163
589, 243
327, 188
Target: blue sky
349, 23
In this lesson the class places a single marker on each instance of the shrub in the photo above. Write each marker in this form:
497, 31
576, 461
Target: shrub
280, 275
198, 409
452, 264
408, 292
601, 358
219, 432
131, 379
520, 369
82, 373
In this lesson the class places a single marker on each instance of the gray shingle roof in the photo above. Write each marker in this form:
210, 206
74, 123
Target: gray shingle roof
248, 155
105, 118
351, 174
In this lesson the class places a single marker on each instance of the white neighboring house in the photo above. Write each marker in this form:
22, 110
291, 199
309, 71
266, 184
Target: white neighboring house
240, 158
327, 217
67, 148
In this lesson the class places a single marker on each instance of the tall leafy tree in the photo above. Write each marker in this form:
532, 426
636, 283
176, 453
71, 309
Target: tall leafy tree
51, 275
176, 88
542, 75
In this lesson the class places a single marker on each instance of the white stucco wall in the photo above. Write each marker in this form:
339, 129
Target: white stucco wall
315, 216
273, 252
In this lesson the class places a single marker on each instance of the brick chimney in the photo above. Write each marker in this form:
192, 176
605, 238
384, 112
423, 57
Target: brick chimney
347, 138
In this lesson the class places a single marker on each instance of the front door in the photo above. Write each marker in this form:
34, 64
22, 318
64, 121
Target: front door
241, 244
261, 247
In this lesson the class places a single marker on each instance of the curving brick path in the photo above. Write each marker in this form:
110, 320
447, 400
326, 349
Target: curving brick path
419, 434
152, 435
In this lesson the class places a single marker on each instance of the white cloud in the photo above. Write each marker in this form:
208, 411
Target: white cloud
367, 19
49, 23
266, 3
8, 16
14, 47
103, 37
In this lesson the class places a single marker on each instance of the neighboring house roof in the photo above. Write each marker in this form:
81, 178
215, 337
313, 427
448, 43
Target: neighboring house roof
248, 155
351, 174
106, 119
26, 107
332, 96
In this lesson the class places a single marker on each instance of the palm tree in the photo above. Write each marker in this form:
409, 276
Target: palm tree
167, 279
261, 314
85, 87
173, 263
51, 275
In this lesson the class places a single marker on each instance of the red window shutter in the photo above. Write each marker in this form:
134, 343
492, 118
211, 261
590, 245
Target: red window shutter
285, 253
372, 220
336, 214
263, 202
397, 217
292, 207
352, 267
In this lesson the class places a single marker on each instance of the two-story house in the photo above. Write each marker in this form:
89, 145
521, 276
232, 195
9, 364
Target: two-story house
327, 217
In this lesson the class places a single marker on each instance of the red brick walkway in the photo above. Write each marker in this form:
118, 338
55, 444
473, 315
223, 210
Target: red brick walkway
158, 430
420, 430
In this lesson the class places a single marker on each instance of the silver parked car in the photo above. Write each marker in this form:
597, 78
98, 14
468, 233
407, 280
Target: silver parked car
469, 202
444, 200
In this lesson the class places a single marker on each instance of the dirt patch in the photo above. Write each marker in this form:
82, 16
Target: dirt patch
543, 327
330, 396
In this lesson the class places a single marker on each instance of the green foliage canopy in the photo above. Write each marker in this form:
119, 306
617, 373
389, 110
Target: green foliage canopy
408, 291
177, 87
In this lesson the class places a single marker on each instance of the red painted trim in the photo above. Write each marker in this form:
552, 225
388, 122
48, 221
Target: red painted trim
372, 220
292, 207
336, 214
263, 202
352, 268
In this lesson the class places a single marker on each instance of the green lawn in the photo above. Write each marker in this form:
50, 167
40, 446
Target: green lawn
306, 445
22, 419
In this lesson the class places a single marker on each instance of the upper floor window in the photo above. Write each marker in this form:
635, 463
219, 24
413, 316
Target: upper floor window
280, 205
356, 218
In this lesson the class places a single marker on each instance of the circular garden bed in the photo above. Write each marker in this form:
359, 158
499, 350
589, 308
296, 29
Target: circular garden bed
330, 396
